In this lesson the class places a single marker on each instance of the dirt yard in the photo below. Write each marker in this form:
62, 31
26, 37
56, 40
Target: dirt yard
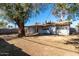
51, 45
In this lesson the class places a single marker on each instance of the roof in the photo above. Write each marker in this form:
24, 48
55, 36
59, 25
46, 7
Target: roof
62, 23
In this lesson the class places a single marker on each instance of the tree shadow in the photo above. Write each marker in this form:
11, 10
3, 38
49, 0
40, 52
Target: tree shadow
38, 35
74, 42
7, 49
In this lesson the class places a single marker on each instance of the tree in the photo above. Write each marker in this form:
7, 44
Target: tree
60, 10
66, 9
19, 12
3, 24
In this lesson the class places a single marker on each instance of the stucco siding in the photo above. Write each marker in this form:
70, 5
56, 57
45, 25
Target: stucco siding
63, 30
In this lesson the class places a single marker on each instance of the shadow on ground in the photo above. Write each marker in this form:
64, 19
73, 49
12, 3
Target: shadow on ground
74, 42
7, 49
38, 35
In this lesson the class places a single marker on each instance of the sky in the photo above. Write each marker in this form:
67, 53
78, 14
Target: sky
42, 17
45, 15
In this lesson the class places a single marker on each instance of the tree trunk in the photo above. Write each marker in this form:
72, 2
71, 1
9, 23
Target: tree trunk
21, 30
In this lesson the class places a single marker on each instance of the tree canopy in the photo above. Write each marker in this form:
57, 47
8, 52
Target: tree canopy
66, 9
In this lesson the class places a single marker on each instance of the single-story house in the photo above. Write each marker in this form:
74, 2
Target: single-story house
78, 29
57, 28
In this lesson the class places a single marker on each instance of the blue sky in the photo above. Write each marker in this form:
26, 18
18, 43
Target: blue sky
46, 16
42, 17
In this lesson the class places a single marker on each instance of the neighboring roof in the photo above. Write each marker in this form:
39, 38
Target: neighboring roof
62, 23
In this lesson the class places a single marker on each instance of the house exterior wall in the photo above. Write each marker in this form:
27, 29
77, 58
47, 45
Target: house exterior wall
63, 30
52, 30
42, 31
58, 29
31, 30
77, 30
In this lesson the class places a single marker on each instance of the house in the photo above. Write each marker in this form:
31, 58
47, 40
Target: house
63, 28
73, 30
77, 29
55, 28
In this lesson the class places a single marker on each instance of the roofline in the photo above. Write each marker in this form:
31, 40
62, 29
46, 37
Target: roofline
63, 23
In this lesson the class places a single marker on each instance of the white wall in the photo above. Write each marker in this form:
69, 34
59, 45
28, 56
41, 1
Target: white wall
52, 30
31, 30
64, 31
41, 31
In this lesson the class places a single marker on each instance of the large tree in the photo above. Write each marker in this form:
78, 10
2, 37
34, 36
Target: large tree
19, 12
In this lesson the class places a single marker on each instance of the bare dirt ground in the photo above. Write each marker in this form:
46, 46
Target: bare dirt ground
51, 45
